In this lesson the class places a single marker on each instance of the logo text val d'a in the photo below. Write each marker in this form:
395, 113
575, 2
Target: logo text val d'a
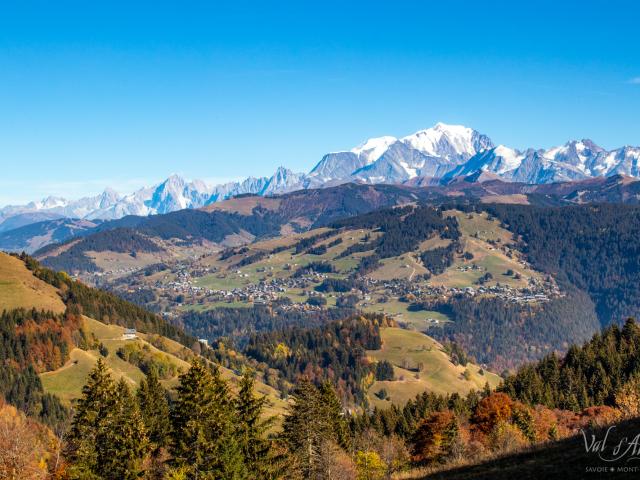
626, 449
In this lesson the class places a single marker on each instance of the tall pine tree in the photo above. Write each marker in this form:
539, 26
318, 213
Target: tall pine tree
155, 411
334, 415
306, 427
252, 430
203, 427
107, 438
122, 441
91, 410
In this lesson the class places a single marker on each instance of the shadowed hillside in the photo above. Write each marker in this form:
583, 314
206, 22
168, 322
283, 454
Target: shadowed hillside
562, 460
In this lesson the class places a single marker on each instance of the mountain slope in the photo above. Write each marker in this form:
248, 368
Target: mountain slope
33, 236
20, 289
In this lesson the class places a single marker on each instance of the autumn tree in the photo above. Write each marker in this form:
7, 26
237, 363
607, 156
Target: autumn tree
628, 397
23, 446
435, 437
491, 410
370, 466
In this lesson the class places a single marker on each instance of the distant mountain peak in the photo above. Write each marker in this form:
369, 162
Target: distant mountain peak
373, 148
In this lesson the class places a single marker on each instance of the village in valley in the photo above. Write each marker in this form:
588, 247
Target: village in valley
283, 280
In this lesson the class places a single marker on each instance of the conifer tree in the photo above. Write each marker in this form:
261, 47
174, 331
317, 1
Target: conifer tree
252, 429
301, 429
92, 408
155, 411
203, 427
122, 442
307, 426
334, 415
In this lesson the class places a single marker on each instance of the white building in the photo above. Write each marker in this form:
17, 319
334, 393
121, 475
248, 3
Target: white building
129, 334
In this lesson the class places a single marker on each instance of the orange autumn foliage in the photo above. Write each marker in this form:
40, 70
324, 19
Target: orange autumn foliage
491, 410
49, 339
434, 437
26, 447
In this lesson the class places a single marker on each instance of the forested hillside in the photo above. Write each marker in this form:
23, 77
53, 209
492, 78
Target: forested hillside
333, 352
33, 340
505, 334
593, 247
603, 371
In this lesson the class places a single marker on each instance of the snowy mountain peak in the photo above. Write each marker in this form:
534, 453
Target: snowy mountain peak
283, 180
509, 159
51, 202
453, 142
373, 148
174, 181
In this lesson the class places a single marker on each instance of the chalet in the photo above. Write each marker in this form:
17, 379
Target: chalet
129, 334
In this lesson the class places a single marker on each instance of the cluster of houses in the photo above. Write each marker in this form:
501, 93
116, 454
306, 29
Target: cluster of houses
535, 292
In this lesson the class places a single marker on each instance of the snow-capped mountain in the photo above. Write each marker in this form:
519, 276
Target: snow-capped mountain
575, 160
430, 152
44, 209
454, 143
440, 153
175, 193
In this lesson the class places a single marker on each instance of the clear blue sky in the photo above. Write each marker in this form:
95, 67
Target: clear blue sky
124, 95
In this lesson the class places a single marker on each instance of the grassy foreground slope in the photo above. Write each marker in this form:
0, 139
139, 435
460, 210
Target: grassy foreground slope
420, 364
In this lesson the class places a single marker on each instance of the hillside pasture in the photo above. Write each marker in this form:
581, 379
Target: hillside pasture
20, 289
420, 364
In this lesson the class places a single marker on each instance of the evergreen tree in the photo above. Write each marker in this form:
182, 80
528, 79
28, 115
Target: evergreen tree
122, 443
97, 399
304, 428
334, 414
203, 433
314, 418
523, 419
155, 411
252, 429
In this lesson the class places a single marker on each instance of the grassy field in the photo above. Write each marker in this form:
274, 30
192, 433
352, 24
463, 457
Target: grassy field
20, 289
409, 349
398, 310
67, 381
124, 262
404, 266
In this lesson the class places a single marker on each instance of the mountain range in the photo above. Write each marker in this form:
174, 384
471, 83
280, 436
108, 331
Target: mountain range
433, 156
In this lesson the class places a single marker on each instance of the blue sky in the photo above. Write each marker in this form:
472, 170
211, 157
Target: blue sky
123, 94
